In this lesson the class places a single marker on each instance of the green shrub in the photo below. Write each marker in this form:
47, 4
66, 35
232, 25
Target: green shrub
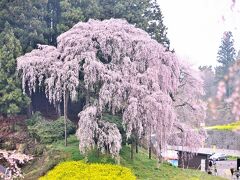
36, 117
38, 150
80, 170
48, 131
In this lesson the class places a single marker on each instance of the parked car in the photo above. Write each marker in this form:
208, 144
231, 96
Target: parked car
218, 157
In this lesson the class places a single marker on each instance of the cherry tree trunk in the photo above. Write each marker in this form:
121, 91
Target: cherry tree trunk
65, 115
58, 109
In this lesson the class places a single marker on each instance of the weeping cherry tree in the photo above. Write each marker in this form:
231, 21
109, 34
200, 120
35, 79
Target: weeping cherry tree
124, 71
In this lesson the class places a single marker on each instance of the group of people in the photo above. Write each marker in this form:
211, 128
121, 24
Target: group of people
235, 172
212, 167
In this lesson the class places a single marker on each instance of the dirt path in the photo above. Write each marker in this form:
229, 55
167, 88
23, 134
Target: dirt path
223, 168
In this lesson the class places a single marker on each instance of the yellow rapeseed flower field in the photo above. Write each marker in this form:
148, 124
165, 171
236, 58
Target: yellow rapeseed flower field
78, 170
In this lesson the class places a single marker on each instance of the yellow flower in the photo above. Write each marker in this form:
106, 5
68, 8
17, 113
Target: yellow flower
75, 170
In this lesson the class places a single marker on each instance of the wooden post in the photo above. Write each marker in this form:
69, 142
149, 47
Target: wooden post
118, 159
136, 145
150, 144
160, 159
150, 152
132, 151
65, 115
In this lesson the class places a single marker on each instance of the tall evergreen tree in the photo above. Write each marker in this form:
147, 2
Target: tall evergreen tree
156, 27
61, 16
226, 53
52, 18
145, 14
226, 58
27, 19
11, 98
71, 13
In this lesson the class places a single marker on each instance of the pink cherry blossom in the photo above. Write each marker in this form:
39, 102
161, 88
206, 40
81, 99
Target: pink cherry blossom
127, 72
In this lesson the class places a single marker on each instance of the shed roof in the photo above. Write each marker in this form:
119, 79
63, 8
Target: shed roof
205, 150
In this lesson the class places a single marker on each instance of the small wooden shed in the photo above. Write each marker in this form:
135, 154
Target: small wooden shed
200, 155
198, 161
193, 159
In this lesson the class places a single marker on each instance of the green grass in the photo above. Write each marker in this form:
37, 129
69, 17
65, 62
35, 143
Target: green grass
226, 127
145, 168
142, 167
41, 165
72, 148
113, 119
233, 158
73, 152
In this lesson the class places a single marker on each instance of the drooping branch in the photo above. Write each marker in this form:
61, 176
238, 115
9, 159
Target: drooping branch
185, 104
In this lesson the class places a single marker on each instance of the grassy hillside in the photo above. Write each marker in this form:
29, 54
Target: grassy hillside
143, 167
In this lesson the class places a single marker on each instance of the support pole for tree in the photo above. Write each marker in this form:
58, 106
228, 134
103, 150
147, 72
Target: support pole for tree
118, 159
150, 152
136, 145
132, 150
65, 115
150, 144
160, 155
160, 159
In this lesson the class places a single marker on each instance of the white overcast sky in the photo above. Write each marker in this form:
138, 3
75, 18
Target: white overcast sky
195, 27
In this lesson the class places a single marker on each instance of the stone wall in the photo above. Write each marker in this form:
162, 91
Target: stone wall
223, 139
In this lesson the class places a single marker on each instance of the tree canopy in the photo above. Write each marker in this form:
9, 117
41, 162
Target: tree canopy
35, 22
123, 67
41, 22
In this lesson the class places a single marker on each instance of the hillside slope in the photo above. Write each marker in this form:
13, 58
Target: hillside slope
142, 167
